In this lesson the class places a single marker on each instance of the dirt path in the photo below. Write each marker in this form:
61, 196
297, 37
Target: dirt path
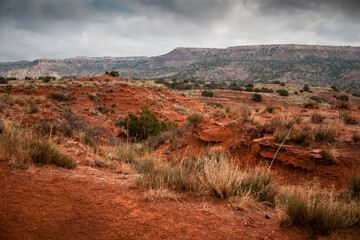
87, 203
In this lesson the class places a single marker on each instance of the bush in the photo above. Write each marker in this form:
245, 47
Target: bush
342, 105
216, 105
257, 97
311, 105
46, 79
3, 80
283, 92
113, 73
140, 128
58, 96
317, 117
356, 137
306, 88
333, 87
207, 93
343, 98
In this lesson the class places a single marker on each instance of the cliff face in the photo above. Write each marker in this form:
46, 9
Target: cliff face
320, 65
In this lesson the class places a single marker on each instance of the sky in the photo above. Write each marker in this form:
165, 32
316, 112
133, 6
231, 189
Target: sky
32, 29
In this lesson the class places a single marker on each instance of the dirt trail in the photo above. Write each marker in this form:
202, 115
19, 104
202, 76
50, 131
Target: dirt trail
86, 203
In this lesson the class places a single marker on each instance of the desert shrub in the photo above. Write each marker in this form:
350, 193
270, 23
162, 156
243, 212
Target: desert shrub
58, 96
356, 137
195, 118
227, 109
45, 127
46, 79
316, 99
216, 105
356, 94
333, 87
207, 93
354, 185
311, 105
317, 117
281, 123
325, 135
283, 92
328, 154
343, 98
270, 108
257, 97
93, 97
154, 142
318, 212
114, 73
297, 136
306, 88
32, 108
3, 80
147, 124
342, 105
347, 118
27, 78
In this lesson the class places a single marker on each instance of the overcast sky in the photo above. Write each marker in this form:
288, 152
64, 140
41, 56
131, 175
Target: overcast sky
31, 29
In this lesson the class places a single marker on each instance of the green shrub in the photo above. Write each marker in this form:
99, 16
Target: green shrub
207, 93
140, 128
333, 87
283, 92
257, 97
114, 73
306, 88
3, 80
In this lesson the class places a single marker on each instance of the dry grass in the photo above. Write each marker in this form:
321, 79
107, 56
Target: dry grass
195, 118
317, 117
347, 118
325, 135
22, 148
318, 211
152, 195
328, 154
356, 137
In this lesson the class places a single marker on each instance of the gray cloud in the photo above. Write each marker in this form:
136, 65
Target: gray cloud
59, 29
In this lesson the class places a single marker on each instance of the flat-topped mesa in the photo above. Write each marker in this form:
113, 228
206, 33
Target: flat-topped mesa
312, 64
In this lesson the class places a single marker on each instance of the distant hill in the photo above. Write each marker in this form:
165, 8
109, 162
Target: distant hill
317, 65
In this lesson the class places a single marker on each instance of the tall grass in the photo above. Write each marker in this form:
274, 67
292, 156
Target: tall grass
319, 212
21, 147
211, 175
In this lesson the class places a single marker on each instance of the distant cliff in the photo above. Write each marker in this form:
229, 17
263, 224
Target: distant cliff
318, 65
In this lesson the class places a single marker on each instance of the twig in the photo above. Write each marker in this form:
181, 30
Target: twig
272, 161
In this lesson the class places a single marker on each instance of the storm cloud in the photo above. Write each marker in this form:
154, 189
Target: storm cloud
33, 29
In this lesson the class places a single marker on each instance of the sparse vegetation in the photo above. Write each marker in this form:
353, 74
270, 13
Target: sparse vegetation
60, 97
347, 118
257, 97
195, 118
317, 117
283, 92
325, 134
207, 93
356, 137
343, 98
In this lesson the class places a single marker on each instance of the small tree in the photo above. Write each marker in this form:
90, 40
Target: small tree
3, 80
114, 73
257, 97
306, 88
